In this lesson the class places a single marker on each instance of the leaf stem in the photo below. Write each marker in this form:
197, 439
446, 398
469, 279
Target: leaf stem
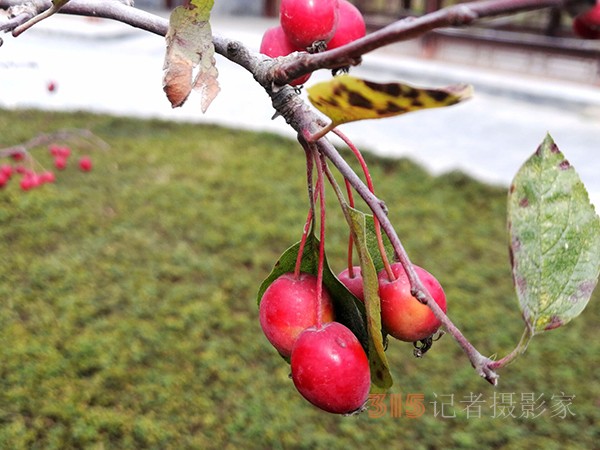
518, 350
321, 132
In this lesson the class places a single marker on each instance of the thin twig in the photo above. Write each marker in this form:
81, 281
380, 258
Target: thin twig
54, 8
49, 138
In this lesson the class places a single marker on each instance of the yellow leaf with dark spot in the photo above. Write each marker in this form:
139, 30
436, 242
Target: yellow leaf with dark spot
345, 98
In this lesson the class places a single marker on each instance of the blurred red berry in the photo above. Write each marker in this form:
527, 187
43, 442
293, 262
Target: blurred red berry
85, 163
3, 180
28, 182
47, 177
54, 150
17, 156
59, 151
587, 24
51, 86
60, 162
6, 170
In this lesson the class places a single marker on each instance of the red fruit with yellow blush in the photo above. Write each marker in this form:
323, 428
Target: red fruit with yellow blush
403, 316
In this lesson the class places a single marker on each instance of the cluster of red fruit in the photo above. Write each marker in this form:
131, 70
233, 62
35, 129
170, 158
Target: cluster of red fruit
31, 179
587, 24
61, 154
329, 366
312, 25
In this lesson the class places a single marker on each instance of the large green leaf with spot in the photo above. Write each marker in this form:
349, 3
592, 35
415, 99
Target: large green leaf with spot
554, 240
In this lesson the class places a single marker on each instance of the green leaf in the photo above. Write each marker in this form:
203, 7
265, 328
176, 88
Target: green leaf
345, 98
347, 309
373, 246
554, 240
190, 48
381, 378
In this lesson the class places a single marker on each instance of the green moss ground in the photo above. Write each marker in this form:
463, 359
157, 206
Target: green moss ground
128, 316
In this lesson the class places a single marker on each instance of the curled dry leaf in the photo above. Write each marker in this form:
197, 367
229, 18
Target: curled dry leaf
190, 48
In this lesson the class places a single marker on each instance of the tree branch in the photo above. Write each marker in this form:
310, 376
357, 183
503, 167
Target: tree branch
272, 75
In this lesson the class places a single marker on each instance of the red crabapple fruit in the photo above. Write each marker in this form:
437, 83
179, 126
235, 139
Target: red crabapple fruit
289, 306
403, 316
355, 283
308, 21
351, 25
330, 368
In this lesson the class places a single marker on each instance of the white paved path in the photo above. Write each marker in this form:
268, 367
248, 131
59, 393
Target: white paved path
112, 68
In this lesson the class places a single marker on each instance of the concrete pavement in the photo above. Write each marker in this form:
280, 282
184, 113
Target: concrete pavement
112, 68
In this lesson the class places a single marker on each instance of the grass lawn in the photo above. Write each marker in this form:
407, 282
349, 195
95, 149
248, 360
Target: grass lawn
128, 315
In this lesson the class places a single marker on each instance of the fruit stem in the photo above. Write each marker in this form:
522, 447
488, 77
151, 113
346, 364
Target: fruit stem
350, 239
367, 173
321, 189
311, 208
307, 225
